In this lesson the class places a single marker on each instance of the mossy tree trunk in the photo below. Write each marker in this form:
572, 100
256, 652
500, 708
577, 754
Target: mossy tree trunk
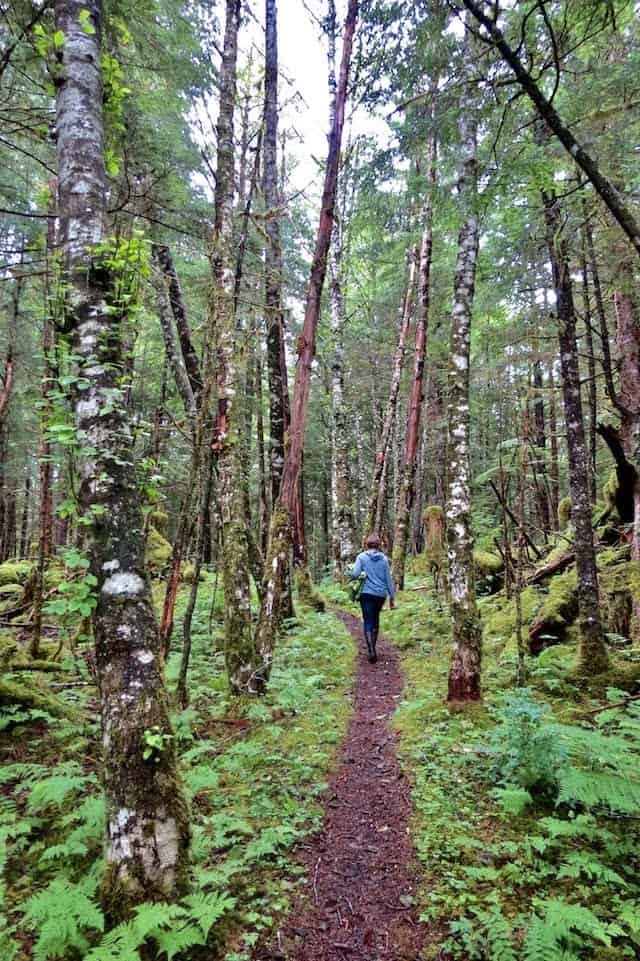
283, 519
464, 671
416, 400
230, 380
146, 814
593, 653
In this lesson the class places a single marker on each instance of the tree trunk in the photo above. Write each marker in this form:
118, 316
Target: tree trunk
276, 357
464, 672
540, 446
45, 514
591, 368
172, 347
146, 812
203, 513
521, 672
407, 493
607, 364
24, 522
555, 470
230, 380
282, 521
164, 261
264, 508
343, 524
380, 469
628, 350
593, 654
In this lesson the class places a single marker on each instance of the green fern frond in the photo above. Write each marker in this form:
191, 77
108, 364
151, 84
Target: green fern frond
62, 913
540, 943
177, 940
581, 864
599, 789
499, 936
152, 917
206, 909
564, 919
54, 790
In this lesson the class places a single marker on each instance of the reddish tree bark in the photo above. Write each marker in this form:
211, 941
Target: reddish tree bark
407, 493
380, 468
283, 521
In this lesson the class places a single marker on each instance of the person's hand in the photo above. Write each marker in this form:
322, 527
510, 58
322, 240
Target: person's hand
392, 603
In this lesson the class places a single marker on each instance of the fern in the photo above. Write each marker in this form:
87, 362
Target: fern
173, 927
599, 789
565, 919
177, 940
540, 943
62, 914
580, 864
54, 790
499, 936
513, 800
629, 916
206, 909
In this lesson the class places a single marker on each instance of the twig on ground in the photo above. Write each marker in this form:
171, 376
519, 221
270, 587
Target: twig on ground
315, 880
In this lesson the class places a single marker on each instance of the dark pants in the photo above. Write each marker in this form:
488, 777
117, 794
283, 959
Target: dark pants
371, 606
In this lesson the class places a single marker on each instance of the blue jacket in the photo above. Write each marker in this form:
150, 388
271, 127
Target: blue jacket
376, 566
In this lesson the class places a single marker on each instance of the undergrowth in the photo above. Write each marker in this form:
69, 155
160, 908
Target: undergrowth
527, 807
253, 769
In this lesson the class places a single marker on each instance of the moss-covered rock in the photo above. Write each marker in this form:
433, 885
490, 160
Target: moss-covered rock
157, 552
488, 569
15, 572
160, 521
187, 573
564, 512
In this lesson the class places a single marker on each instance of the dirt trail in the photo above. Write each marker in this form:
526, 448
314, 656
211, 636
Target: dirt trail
361, 864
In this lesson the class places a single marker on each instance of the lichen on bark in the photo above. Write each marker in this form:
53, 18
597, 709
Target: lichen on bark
147, 819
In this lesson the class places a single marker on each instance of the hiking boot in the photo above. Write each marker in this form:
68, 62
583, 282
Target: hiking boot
371, 651
374, 640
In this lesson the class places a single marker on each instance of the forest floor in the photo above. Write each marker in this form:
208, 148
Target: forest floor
361, 866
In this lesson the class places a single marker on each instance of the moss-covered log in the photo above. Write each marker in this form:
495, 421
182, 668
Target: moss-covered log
16, 694
557, 613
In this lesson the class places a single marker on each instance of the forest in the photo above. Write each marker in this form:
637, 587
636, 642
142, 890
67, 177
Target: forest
292, 294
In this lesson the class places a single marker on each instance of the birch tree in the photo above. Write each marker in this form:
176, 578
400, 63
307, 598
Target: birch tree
147, 820
464, 672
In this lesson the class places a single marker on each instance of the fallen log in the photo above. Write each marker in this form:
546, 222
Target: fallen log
552, 567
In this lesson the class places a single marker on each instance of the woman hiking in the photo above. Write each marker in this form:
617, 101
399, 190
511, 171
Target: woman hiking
377, 584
